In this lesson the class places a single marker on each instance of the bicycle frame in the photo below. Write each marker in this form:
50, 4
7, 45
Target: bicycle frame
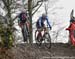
43, 38
40, 32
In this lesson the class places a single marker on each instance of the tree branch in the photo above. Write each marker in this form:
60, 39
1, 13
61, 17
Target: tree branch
4, 3
37, 9
36, 4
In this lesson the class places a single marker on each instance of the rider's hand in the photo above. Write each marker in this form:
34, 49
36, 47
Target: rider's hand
50, 28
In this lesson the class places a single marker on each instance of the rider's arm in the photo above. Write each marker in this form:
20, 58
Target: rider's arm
48, 22
18, 20
39, 21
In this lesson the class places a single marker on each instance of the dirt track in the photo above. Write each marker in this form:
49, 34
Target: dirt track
26, 51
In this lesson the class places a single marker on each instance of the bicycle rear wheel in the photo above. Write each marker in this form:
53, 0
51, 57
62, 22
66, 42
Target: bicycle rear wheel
47, 40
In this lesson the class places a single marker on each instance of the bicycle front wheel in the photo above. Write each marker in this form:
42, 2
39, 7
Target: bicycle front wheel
47, 40
25, 33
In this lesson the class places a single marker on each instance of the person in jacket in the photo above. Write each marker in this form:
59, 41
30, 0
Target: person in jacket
40, 22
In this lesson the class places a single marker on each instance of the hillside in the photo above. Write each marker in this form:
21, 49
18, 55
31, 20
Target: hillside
26, 51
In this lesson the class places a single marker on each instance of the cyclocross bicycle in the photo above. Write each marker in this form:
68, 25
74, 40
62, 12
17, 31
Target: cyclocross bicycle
43, 38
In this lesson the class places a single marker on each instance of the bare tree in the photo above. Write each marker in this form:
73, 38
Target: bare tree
7, 19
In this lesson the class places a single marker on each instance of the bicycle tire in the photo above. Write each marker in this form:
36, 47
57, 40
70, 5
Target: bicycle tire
24, 31
38, 40
48, 39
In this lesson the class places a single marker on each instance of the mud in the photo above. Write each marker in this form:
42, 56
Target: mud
27, 51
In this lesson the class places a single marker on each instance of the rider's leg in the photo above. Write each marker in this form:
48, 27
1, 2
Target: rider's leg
22, 30
21, 25
28, 25
44, 28
38, 31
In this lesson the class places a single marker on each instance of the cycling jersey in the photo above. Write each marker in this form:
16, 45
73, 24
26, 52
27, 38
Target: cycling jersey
40, 22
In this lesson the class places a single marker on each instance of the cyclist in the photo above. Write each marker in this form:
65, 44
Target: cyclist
23, 20
40, 23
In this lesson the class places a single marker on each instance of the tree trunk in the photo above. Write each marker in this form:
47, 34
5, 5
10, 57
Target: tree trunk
30, 19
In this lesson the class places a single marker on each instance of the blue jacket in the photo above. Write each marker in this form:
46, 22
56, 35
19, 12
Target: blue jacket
46, 18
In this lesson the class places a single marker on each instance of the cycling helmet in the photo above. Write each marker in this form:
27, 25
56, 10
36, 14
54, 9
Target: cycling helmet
43, 16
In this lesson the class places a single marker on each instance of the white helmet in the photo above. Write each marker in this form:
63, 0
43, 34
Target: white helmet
44, 15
